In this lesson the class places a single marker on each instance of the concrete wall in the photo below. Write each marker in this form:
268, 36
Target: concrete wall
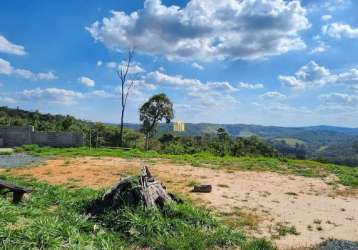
56, 139
17, 136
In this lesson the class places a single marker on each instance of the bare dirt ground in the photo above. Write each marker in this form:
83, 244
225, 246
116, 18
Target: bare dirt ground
294, 211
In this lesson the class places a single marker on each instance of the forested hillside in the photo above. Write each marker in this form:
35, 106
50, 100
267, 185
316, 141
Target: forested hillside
324, 143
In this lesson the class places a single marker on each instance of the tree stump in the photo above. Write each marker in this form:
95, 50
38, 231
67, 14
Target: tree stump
133, 191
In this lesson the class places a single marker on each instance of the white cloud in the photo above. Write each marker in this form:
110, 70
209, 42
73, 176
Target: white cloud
101, 94
8, 47
134, 68
197, 66
333, 5
7, 69
87, 81
274, 96
326, 18
99, 63
314, 75
51, 95
321, 47
111, 65
340, 30
245, 85
354, 88
340, 99
309, 75
161, 78
207, 30
7, 100
349, 77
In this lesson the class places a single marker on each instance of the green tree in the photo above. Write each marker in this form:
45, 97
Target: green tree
152, 112
67, 122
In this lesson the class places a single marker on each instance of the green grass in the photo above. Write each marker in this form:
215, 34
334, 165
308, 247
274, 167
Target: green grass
53, 218
346, 175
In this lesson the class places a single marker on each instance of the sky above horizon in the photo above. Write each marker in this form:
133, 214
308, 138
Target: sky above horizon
277, 62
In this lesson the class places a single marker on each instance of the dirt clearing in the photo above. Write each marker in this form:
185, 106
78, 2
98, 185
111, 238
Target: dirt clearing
294, 211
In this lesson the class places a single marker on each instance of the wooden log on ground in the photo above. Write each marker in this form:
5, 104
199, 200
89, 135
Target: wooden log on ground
202, 189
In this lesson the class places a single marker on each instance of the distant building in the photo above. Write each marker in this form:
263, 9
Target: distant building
179, 126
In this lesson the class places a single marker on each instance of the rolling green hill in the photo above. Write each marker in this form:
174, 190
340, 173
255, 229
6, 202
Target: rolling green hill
325, 143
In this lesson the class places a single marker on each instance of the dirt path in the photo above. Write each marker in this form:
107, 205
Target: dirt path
298, 211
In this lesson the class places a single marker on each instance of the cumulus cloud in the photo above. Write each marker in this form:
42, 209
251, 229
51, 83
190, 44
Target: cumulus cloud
86, 81
245, 85
197, 66
340, 30
340, 99
274, 96
315, 75
321, 47
7, 69
52, 95
10, 48
200, 95
309, 75
326, 18
161, 78
207, 30
101, 93
99, 63
134, 68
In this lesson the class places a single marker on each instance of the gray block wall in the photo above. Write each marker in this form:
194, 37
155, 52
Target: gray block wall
17, 136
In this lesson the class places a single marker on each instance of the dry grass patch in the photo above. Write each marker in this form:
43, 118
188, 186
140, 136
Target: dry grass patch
239, 218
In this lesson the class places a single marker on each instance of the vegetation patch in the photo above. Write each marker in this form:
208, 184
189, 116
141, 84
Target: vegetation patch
56, 219
283, 229
239, 218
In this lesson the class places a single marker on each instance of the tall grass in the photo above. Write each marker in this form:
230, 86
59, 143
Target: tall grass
54, 218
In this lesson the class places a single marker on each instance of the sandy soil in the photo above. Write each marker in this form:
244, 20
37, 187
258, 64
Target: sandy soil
317, 211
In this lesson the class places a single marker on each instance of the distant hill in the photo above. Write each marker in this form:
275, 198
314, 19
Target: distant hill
327, 143
330, 143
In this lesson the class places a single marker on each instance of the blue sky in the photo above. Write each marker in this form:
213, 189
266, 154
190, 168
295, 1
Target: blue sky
286, 63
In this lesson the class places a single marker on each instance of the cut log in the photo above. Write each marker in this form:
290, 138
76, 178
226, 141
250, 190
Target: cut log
202, 189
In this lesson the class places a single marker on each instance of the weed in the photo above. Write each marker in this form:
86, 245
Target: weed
242, 218
192, 183
282, 229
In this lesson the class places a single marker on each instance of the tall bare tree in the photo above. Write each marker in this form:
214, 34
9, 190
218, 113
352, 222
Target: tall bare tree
126, 86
